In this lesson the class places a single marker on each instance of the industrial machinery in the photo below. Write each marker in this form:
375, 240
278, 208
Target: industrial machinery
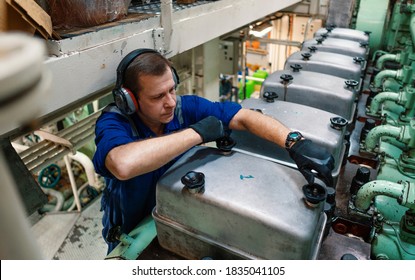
348, 88
221, 226
335, 95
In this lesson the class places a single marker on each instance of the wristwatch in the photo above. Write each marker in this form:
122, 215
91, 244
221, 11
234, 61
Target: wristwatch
292, 137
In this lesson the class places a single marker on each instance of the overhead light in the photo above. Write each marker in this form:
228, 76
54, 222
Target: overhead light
260, 29
261, 33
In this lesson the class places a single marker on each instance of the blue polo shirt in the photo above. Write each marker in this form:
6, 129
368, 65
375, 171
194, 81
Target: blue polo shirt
126, 203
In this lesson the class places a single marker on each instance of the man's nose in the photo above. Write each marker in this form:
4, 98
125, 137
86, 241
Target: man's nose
170, 100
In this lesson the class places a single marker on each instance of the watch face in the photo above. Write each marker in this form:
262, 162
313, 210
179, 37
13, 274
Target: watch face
294, 135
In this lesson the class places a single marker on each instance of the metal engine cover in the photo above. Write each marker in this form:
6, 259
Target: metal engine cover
314, 124
335, 64
337, 45
325, 92
343, 33
250, 209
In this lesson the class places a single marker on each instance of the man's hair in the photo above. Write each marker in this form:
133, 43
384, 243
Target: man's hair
153, 64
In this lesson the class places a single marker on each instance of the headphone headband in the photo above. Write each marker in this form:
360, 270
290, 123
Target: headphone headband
126, 61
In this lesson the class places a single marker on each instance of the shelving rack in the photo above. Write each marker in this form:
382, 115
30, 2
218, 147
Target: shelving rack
83, 63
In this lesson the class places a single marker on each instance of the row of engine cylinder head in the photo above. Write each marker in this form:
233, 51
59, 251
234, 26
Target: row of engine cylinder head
383, 125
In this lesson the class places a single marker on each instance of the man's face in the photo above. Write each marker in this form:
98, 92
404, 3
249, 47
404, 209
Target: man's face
157, 99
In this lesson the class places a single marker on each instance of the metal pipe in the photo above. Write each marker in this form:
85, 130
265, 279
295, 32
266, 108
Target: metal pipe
73, 201
59, 198
383, 75
276, 41
166, 21
243, 62
193, 80
378, 187
88, 166
412, 28
133, 243
252, 78
73, 182
377, 132
379, 99
387, 57
378, 52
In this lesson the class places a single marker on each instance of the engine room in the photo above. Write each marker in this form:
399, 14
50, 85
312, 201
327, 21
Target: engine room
340, 72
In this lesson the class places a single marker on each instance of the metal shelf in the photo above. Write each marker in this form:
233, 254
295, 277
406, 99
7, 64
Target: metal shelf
83, 66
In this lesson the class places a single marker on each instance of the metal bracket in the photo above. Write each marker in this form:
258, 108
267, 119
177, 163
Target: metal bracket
158, 40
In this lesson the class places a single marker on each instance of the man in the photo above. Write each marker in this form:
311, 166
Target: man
150, 127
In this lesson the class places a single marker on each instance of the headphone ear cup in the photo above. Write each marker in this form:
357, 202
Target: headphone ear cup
175, 77
125, 101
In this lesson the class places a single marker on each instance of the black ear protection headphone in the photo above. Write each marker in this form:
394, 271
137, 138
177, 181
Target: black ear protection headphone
123, 97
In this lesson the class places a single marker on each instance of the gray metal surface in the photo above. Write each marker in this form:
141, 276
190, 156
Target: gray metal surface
339, 65
337, 45
51, 231
251, 208
318, 90
344, 33
72, 235
313, 123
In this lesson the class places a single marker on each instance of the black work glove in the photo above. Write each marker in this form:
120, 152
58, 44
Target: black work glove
210, 129
309, 156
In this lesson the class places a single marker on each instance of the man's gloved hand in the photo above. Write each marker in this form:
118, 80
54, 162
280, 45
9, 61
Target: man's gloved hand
308, 157
210, 129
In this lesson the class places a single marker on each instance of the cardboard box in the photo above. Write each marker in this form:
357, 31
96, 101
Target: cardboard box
25, 16
68, 14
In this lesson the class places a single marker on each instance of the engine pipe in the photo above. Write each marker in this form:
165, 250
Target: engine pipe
404, 74
406, 98
403, 58
387, 57
402, 191
374, 135
412, 25
404, 133
385, 74
379, 99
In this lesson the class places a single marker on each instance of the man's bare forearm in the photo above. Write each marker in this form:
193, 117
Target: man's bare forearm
137, 158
